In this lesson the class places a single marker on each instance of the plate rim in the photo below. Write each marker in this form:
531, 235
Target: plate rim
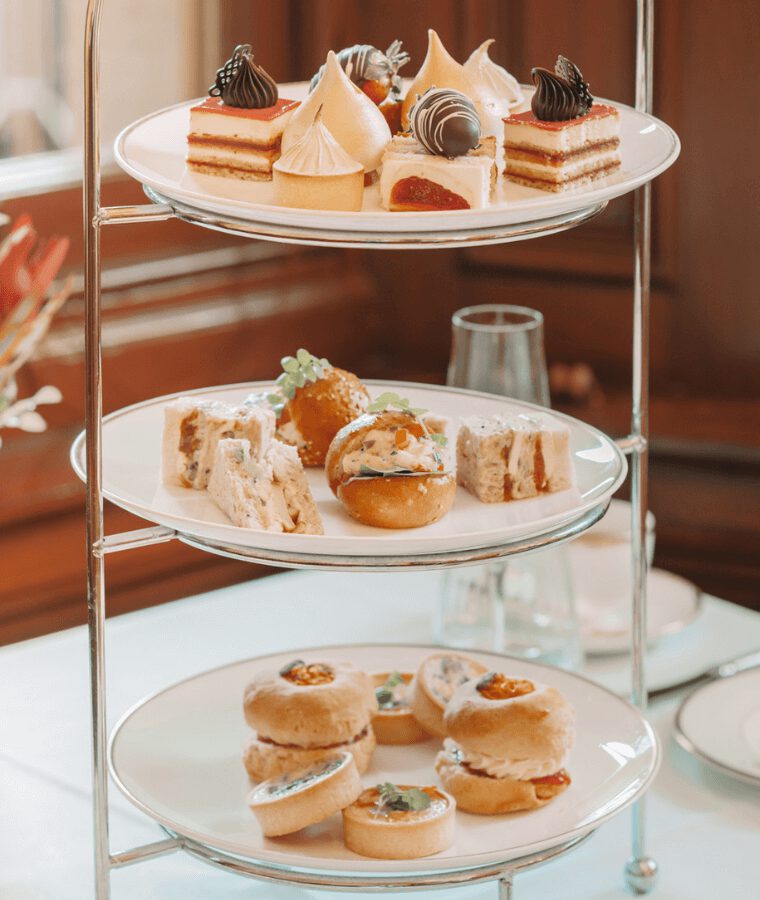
78, 448
687, 743
407, 224
374, 867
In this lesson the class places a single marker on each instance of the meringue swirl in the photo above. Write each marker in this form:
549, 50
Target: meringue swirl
242, 83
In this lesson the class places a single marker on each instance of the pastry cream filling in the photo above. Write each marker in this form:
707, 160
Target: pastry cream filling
379, 451
496, 767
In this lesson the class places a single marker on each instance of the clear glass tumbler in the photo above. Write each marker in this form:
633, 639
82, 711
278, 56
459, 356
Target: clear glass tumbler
525, 605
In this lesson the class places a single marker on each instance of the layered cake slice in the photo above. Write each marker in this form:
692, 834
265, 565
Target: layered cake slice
565, 141
192, 429
513, 457
236, 132
444, 163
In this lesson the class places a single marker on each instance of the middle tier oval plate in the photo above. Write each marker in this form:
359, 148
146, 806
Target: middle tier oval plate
132, 480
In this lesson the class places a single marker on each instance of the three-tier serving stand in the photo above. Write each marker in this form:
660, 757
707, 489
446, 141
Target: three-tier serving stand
640, 869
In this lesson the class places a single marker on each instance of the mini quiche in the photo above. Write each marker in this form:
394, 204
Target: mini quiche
306, 796
404, 821
394, 721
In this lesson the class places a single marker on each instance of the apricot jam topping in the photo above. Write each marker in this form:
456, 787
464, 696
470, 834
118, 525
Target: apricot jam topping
496, 686
307, 674
560, 777
422, 194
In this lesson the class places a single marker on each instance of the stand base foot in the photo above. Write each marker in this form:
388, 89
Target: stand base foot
640, 875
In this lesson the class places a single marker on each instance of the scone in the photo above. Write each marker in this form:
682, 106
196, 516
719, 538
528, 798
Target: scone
434, 684
306, 796
305, 712
394, 721
508, 745
402, 821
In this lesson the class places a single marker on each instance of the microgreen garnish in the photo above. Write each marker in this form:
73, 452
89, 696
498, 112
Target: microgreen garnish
296, 371
388, 398
240, 454
384, 693
370, 472
486, 681
410, 800
286, 670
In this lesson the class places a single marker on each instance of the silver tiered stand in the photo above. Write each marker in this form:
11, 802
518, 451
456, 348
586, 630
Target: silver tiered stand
640, 869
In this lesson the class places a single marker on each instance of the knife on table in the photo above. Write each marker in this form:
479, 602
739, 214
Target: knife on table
722, 670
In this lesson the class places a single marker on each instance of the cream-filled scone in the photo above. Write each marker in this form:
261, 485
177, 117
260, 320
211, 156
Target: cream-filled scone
513, 457
566, 140
236, 132
347, 113
509, 740
317, 173
394, 722
193, 427
306, 711
302, 797
434, 684
388, 469
444, 163
402, 821
499, 93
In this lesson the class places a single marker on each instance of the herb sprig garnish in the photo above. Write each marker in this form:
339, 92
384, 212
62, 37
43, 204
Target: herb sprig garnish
296, 371
393, 798
388, 400
384, 693
287, 669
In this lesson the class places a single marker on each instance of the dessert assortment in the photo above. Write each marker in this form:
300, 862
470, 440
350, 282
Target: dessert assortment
438, 145
387, 463
506, 742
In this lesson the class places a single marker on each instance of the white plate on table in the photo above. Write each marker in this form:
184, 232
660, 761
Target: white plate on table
720, 724
132, 480
176, 756
153, 151
673, 603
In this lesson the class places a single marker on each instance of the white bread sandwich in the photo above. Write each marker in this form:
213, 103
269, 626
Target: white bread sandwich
402, 821
306, 712
303, 797
513, 457
434, 684
192, 429
508, 745
268, 492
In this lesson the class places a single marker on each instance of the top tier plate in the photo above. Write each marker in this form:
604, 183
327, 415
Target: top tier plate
153, 150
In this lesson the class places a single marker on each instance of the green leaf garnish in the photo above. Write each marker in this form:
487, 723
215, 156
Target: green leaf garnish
388, 399
296, 371
410, 800
286, 670
369, 472
439, 439
384, 693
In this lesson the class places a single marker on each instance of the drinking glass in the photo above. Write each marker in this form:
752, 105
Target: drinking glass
524, 606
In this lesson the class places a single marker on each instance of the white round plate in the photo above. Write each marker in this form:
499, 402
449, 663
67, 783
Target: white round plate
720, 724
672, 604
132, 480
153, 151
176, 756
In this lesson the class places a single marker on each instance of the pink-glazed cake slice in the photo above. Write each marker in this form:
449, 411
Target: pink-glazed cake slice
562, 155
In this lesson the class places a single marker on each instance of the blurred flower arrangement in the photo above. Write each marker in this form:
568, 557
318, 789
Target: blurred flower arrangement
28, 267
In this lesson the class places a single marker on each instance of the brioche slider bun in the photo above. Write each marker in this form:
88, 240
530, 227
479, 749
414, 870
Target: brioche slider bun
411, 488
435, 682
310, 704
303, 797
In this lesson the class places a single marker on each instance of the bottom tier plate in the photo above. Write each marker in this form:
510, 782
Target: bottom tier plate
176, 756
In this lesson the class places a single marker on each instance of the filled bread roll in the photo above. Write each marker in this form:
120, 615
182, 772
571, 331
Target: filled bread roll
263, 758
434, 684
389, 472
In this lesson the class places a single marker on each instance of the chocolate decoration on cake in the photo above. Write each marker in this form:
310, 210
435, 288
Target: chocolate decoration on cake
367, 63
241, 82
445, 122
560, 95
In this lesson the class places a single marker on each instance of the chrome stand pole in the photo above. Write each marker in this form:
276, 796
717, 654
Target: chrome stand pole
640, 869
505, 886
93, 417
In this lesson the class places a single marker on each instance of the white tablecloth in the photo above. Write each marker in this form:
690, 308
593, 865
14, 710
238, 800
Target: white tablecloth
704, 828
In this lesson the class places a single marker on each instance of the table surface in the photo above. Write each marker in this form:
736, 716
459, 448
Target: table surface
704, 828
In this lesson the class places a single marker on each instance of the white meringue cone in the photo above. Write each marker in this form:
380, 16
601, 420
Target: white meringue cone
347, 113
498, 92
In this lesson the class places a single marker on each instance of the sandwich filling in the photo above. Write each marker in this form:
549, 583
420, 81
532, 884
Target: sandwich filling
495, 767
395, 451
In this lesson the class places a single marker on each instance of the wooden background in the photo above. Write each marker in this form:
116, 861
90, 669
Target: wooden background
184, 308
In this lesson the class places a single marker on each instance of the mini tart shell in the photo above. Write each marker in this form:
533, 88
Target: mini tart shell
307, 805
263, 760
409, 837
428, 708
484, 795
310, 715
396, 726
